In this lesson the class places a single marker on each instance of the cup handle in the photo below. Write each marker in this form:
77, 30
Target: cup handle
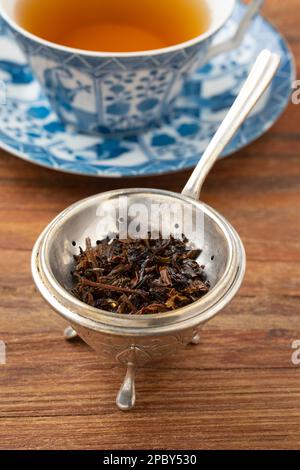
234, 42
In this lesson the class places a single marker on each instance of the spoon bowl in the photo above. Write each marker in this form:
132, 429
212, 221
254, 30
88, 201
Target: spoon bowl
135, 340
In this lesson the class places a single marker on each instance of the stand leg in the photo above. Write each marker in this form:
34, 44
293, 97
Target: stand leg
70, 334
126, 396
196, 339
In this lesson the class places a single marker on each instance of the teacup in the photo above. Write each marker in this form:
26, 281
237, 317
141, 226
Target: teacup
109, 93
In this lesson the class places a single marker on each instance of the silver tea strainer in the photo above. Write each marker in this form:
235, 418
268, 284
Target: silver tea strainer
136, 340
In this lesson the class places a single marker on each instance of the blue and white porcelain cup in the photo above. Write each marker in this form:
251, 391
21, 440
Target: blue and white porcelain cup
114, 93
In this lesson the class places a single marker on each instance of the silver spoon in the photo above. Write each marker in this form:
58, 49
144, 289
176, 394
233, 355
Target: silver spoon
133, 340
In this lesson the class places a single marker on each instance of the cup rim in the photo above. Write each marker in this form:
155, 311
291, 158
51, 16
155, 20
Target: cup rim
74, 310
95, 54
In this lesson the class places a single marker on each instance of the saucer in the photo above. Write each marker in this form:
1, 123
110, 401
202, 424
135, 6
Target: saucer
30, 130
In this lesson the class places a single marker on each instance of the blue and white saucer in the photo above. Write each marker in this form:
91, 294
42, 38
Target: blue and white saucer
30, 130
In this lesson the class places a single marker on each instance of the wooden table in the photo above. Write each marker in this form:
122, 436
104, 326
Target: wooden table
238, 389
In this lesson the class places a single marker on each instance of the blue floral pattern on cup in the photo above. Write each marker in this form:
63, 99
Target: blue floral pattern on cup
30, 129
105, 95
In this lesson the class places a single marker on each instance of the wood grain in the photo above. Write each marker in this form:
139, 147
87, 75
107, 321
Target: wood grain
238, 389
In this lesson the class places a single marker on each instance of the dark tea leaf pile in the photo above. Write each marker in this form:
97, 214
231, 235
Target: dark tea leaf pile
139, 276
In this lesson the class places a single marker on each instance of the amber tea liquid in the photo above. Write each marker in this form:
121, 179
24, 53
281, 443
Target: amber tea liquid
114, 25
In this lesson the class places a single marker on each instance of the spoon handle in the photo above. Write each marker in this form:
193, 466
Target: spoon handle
256, 84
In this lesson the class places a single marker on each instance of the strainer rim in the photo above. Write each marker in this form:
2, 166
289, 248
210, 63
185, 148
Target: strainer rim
63, 299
